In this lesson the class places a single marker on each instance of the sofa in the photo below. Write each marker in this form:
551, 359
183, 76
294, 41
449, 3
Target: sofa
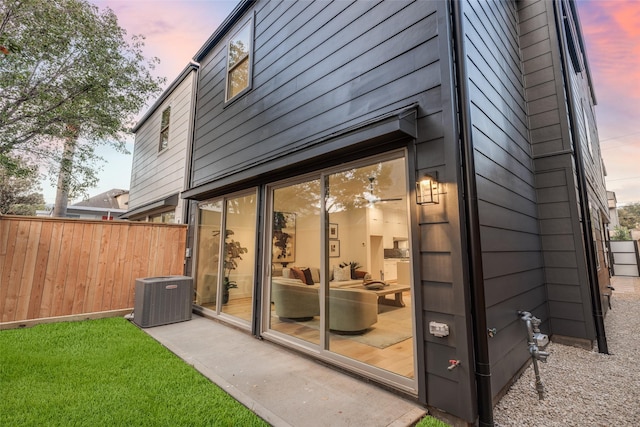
339, 277
350, 310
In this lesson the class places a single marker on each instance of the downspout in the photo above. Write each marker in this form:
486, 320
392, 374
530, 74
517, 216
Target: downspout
258, 267
186, 203
583, 195
472, 222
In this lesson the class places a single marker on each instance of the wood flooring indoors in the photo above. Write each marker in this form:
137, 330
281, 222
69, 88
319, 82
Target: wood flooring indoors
396, 358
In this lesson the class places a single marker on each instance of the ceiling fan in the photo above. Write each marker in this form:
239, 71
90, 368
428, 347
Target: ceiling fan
371, 198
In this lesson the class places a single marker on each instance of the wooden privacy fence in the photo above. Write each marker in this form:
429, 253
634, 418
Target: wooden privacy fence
52, 267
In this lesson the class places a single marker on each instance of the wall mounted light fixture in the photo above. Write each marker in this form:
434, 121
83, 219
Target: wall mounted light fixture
427, 192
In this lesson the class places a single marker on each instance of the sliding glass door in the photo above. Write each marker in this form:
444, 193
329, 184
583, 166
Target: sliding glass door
226, 254
369, 301
340, 282
295, 259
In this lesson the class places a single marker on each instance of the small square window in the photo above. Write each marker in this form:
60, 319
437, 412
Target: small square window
164, 129
587, 130
239, 56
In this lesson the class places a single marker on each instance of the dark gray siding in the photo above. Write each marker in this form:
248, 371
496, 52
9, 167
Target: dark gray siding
586, 131
507, 201
321, 68
443, 290
556, 180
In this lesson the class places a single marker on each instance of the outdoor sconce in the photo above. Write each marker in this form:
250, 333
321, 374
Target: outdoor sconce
427, 189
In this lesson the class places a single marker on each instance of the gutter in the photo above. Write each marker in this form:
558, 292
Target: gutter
472, 223
583, 195
186, 180
223, 29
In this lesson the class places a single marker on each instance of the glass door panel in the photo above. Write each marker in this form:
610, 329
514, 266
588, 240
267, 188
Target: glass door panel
368, 219
239, 256
208, 254
295, 261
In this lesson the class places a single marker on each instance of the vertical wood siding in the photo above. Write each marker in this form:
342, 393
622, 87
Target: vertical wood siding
58, 267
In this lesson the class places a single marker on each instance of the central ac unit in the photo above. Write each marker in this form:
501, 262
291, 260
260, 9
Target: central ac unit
162, 300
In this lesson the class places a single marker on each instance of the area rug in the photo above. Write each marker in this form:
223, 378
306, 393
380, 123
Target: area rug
393, 326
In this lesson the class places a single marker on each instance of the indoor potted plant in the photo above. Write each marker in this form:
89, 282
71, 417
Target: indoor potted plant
233, 251
353, 266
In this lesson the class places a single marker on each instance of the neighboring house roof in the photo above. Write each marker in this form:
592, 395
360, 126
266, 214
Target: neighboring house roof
170, 201
106, 200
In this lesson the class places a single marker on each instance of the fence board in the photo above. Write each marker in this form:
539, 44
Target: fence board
53, 248
53, 267
15, 272
119, 298
39, 274
128, 268
105, 235
92, 272
7, 258
72, 269
28, 270
62, 275
83, 268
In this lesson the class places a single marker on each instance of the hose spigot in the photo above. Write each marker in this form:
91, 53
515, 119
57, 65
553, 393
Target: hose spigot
453, 364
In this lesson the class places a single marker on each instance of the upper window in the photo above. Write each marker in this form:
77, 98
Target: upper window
587, 129
164, 129
239, 52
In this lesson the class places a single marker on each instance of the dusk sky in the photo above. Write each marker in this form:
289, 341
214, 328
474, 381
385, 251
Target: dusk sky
176, 29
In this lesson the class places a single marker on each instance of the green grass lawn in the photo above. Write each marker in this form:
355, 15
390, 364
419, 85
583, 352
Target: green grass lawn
105, 373
431, 422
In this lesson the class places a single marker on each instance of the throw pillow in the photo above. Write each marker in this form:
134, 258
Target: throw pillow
315, 273
286, 272
307, 276
341, 274
359, 274
298, 274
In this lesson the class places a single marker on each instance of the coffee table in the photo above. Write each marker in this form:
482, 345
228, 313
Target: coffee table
395, 289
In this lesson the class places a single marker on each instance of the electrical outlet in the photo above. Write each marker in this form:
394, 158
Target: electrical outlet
438, 329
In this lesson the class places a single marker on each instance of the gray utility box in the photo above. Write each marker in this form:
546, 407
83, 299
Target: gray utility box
162, 300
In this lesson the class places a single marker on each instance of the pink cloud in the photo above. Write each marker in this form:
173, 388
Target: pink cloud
174, 30
627, 14
613, 41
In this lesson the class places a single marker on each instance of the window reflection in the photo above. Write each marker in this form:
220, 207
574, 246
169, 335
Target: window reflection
366, 213
208, 253
238, 62
296, 257
239, 256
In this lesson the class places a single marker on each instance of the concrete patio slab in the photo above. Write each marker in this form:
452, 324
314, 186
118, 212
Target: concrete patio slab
625, 285
283, 388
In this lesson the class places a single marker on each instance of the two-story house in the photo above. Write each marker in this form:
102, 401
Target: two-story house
446, 152
161, 153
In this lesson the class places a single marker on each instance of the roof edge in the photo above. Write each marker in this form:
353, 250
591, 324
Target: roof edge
191, 66
222, 30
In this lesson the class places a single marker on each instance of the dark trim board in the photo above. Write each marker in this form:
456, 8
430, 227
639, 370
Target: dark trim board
373, 136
